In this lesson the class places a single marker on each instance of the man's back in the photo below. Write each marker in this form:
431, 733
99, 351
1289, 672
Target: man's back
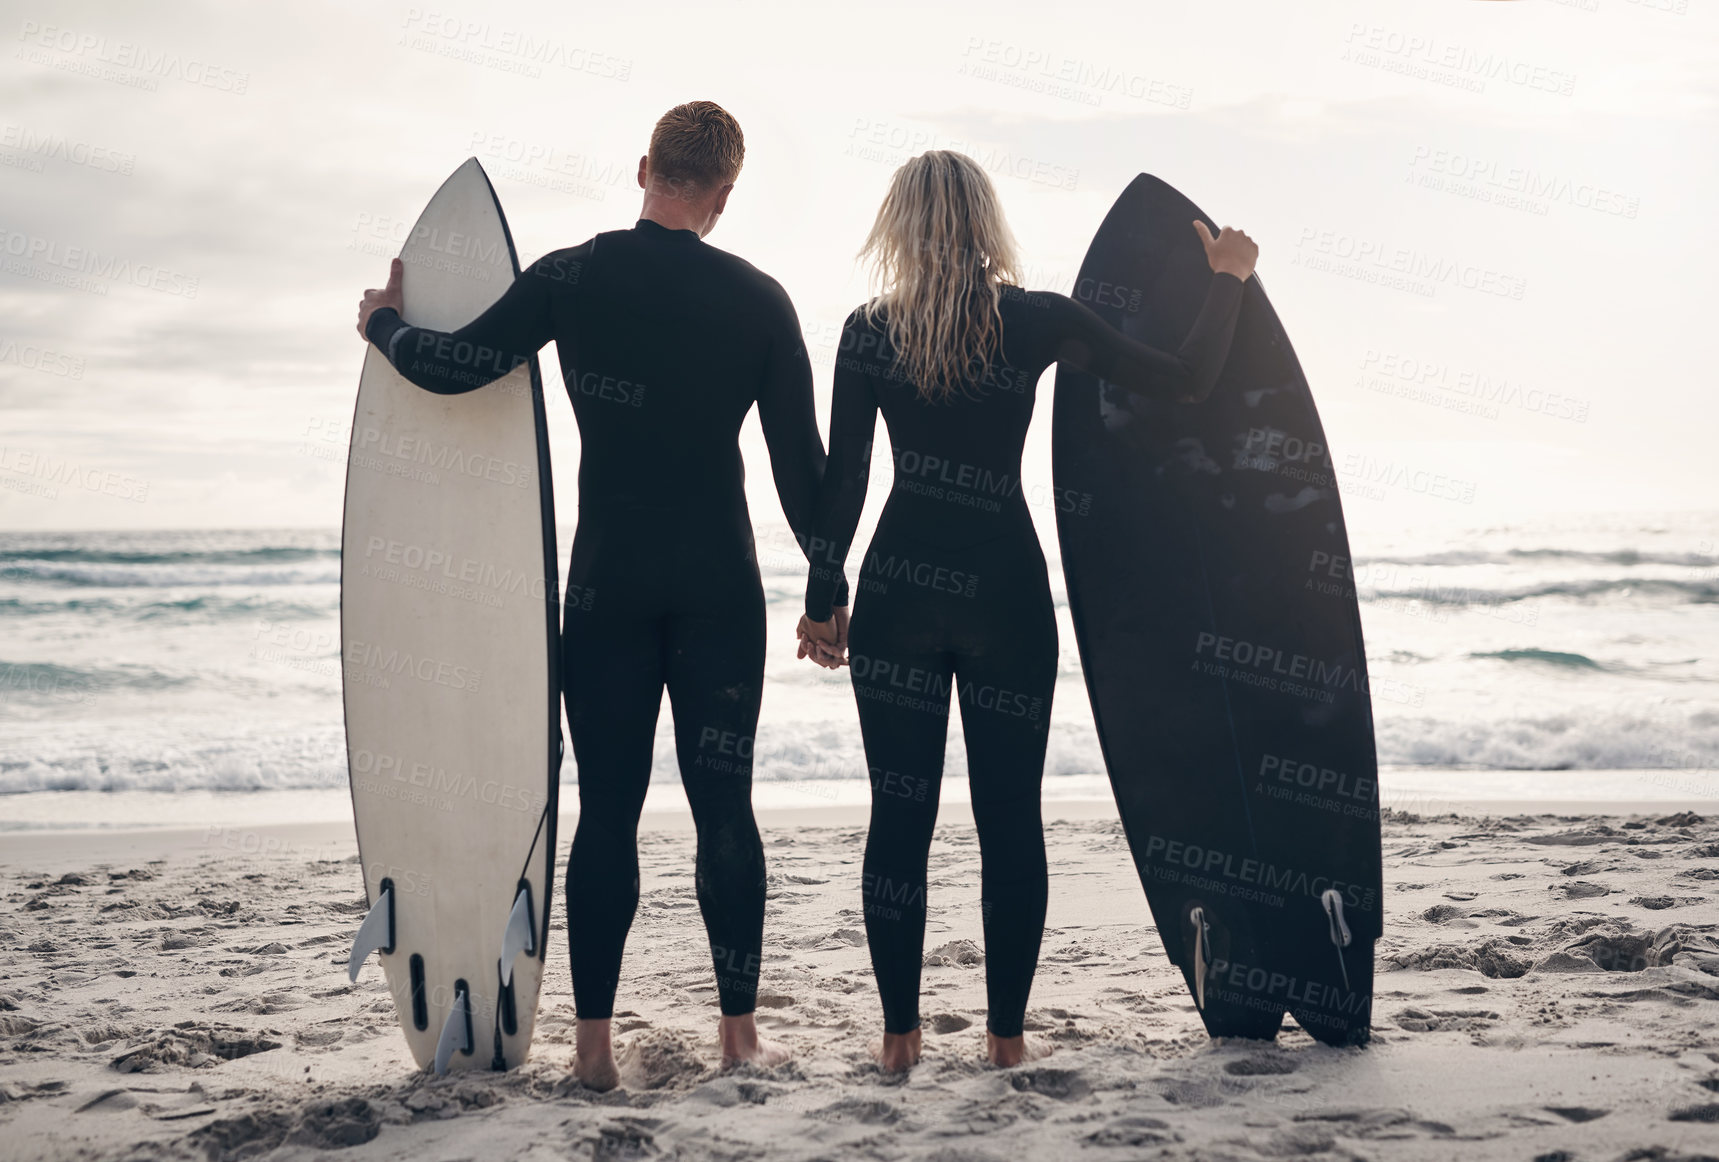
665, 343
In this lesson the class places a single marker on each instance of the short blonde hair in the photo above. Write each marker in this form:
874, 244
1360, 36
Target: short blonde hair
698, 143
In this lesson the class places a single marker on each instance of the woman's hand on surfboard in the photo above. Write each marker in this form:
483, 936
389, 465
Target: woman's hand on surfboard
374, 300
1231, 252
823, 641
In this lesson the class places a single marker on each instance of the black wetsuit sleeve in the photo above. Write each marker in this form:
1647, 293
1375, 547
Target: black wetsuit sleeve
789, 417
853, 420
1089, 343
481, 352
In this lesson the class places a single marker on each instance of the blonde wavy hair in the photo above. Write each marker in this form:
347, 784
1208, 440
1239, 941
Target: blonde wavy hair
939, 252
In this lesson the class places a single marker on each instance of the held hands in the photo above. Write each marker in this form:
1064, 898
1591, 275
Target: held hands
1231, 252
825, 642
375, 300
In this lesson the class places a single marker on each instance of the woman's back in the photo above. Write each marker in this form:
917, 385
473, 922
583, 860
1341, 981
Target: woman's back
957, 460
957, 453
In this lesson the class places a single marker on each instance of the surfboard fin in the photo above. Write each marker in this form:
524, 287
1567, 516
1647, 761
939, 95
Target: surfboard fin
456, 1030
1197, 917
520, 936
1332, 900
376, 934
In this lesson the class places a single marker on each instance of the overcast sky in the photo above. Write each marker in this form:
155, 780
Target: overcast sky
192, 198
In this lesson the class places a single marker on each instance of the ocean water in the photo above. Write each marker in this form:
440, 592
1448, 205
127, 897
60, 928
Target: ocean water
210, 661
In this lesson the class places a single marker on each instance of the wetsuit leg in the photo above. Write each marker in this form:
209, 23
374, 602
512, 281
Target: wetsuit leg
715, 671
1004, 689
612, 677
902, 689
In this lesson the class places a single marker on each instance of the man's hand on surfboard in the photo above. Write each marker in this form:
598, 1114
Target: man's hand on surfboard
374, 300
1231, 252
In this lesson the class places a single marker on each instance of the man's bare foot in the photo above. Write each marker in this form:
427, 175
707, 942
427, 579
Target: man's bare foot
1007, 1051
594, 1056
741, 1043
898, 1052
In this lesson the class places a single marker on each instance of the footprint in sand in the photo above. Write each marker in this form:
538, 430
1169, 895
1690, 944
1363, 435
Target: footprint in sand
1260, 1066
193, 1044
323, 1125
1629, 952
1062, 1084
1449, 914
865, 1111
1706, 1112
1577, 1114
1134, 1131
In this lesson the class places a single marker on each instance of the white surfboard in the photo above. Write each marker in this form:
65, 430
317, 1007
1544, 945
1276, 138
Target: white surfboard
449, 619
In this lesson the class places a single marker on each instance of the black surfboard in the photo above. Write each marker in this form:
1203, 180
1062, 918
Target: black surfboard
1210, 584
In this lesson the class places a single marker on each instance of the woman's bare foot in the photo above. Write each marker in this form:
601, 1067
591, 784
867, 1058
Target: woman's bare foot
898, 1052
1007, 1051
741, 1043
594, 1056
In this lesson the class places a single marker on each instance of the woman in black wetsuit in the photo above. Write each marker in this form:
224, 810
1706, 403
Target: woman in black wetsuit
954, 595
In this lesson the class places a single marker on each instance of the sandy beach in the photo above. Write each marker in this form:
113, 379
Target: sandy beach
1549, 988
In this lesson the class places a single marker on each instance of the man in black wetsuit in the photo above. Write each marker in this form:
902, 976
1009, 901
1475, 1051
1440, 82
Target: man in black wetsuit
665, 344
